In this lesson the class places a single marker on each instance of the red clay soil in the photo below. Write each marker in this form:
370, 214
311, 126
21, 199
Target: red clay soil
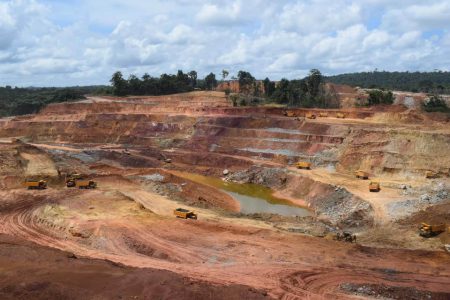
288, 266
30, 271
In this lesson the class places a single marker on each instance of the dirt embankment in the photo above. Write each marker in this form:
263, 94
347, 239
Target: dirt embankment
164, 182
30, 271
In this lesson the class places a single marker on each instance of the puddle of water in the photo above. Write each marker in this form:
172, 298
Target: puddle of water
253, 198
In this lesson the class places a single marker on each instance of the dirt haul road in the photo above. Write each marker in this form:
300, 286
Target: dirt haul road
106, 225
125, 145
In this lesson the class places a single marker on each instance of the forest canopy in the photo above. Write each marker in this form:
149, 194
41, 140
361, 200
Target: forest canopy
21, 101
437, 82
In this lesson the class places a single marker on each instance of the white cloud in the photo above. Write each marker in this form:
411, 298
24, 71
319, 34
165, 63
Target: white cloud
44, 42
287, 61
319, 16
423, 16
215, 15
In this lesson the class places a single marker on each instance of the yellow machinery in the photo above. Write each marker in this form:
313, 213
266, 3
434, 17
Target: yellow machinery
36, 184
71, 179
85, 184
289, 113
184, 213
361, 174
427, 230
431, 174
323, 114
303, 165
310, 115
340, 115
374, 186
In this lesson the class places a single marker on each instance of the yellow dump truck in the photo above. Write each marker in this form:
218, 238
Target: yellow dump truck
374, 186
431, 174
85, 184
310, 116
184, 213
71, 179
427, 230
361, 174
340, 115
323, 114
289, 113
303, 165
36, 184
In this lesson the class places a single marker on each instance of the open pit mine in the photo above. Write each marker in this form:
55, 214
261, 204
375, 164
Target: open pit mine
186, 196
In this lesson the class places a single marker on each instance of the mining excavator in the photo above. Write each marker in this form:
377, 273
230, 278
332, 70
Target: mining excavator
36, 184
71, 179
427, 230
340, 115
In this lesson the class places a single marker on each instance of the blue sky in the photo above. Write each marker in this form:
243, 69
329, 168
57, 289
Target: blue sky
79, 42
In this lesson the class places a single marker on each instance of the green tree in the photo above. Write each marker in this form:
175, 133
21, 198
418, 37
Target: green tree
246, 82
225, 74
119, 84
193, 78
210, 81
269, 87
436, 104
314, 81
281, 93
380, 97
134, 85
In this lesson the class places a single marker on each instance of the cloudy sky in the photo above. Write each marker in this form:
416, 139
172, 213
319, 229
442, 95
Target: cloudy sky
81, 42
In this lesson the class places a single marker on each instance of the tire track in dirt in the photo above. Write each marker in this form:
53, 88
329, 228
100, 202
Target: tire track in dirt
211, 257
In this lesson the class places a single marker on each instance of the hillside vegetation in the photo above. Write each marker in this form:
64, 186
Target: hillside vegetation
428, 82
20, 101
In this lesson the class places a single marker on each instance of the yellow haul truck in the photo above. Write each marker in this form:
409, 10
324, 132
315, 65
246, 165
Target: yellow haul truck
303, 165
374, 186
289, 113
431, 174
184, 213
310, 115
361, 174
85, 184
340, 115
36, 184
427, 230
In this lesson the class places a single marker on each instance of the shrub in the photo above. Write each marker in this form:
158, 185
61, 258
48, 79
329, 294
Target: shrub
436, 104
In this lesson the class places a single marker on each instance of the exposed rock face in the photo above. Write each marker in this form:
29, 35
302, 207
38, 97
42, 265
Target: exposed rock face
203, 129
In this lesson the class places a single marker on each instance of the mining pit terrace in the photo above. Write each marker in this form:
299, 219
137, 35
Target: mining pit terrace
265, 229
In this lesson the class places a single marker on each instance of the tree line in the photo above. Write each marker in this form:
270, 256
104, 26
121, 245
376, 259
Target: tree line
163, 85
310, 91
437, 82
20, 101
